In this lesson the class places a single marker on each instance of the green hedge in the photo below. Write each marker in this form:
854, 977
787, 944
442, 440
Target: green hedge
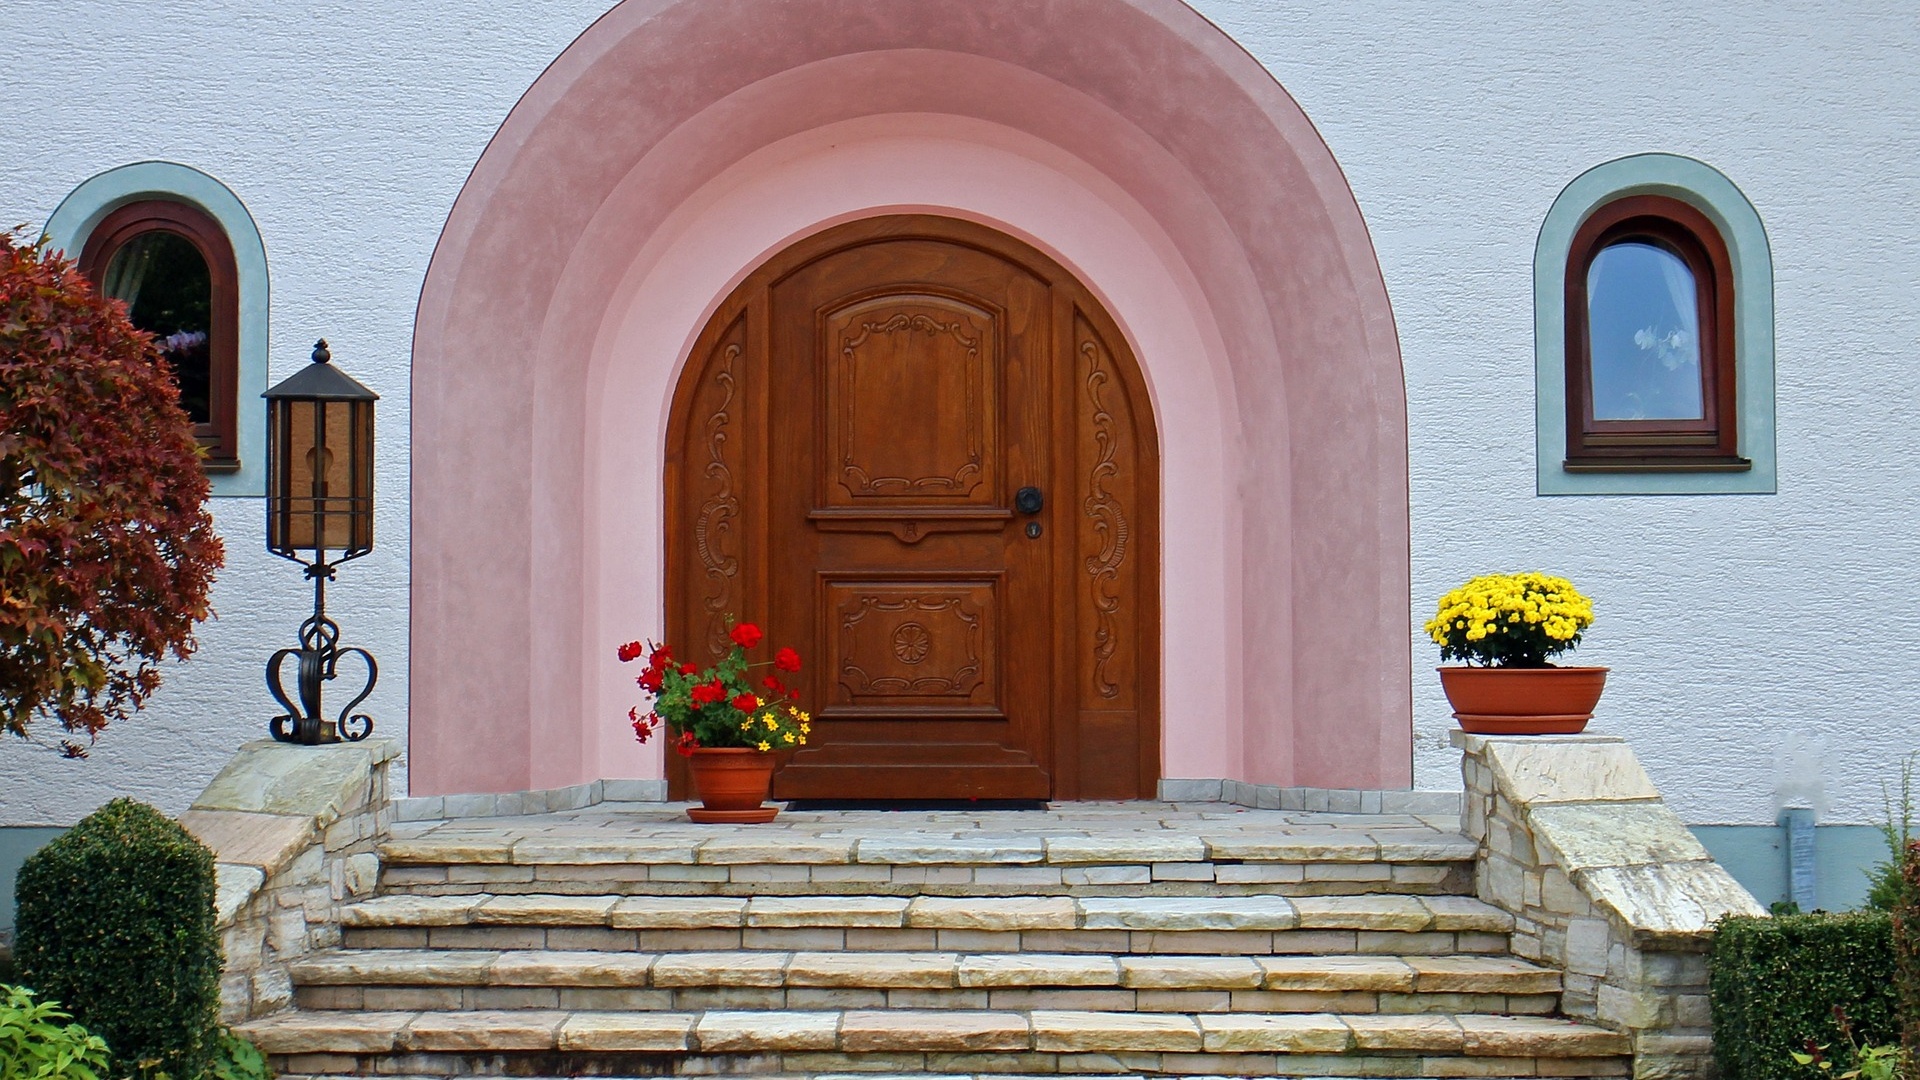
1776, 982
1906, 948
116, 922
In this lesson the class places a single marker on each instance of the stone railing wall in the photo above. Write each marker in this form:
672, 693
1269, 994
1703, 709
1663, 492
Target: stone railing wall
1605, 883
294, 832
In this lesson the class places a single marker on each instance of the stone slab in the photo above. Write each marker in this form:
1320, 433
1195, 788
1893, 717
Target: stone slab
678, 912
863, 911
1132, 849
1364, 974
395, 967
1323, 847
1426, 1033
1024, 970
1584, 835
1677, 901
1481, 975
1372, 911
1103, 1032
247, 838
720, 969
1536, 771
1304, 1033
746, 850
1538, 1037
319, 783
762, 1032
402, 910
906, 850
1190, 973
882, 970
1467, 913
327, 1031
489, 1030
541, 910
631, 1031
487, 850
924, 1031
233, 887
604, 850
993, 913
569, 969
1187, 913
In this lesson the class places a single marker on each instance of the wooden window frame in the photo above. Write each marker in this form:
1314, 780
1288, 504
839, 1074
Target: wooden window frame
1709, 444
220, 435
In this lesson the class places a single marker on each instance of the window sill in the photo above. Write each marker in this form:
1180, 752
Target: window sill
1711, 465
220, 466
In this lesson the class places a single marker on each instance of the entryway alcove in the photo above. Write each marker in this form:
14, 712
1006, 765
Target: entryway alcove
646, 175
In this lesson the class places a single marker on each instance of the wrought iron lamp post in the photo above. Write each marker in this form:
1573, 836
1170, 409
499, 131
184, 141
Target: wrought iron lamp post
319, 501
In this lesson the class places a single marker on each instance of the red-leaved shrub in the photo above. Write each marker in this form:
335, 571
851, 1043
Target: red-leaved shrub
107, 552
1906, 955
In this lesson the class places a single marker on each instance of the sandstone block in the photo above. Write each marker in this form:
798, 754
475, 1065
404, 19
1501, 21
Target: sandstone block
1537, 1037
1125, 849
1367, 912
869, 911
327, 1032
1036, 969
923, 851
916, 1031
1190, 972
1427, 1033
1187, 913
882, 970
1481, 975
1368, 974
1102, 1032
488, 1030
762, 1032
404, 910
720, 969
569, 969
678, 912
536, 910
628, 1031
992, 913
1285, 1034
1466, 913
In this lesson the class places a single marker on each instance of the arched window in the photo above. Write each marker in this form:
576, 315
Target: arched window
173, 266
1650, 351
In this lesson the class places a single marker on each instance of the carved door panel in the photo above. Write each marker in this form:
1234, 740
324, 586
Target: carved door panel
844, 464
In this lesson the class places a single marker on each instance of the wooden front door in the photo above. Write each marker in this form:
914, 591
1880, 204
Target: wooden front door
919, 452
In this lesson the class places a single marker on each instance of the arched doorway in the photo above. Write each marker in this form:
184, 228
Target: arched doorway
923, 452
621, 203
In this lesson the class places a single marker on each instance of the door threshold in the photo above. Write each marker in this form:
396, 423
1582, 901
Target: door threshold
803, 805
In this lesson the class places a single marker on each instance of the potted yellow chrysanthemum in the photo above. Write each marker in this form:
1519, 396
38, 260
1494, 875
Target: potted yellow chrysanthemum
1507, 627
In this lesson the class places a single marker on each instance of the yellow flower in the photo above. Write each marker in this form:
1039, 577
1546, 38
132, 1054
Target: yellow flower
788, 738
764, 746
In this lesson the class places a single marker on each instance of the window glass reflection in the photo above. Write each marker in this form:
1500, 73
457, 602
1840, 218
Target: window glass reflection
168, 291
1643, 334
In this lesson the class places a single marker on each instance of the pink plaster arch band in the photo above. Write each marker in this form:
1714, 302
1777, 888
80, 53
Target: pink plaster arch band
645, 174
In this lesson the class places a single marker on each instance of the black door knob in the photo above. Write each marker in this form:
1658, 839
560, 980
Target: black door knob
1028, 500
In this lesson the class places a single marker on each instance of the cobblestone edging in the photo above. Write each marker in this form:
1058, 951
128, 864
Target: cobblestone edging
1605, 883
294, 832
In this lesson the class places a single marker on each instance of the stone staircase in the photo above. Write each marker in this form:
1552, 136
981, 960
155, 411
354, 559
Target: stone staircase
1110, 940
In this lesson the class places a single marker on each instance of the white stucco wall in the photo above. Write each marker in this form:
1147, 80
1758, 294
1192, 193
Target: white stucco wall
1757, 641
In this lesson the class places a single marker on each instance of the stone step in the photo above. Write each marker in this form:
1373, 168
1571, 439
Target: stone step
523, 1042
1267, 912
1383, 859
396, 979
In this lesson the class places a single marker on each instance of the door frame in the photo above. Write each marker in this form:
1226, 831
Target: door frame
713, 541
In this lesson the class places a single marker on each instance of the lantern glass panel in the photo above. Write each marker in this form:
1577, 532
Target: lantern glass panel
327, 462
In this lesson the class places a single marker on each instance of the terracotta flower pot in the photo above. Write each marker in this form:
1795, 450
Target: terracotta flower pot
1523, 701
732, 783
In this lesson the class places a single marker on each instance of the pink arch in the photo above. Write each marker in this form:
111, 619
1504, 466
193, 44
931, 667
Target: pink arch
634, 124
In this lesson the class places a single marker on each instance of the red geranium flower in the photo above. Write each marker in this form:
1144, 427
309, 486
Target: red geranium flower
773, 685
746, 702
631, 651
787, 660
660, 657
688, 669
708, 693
746, 635
686, 744
651, 681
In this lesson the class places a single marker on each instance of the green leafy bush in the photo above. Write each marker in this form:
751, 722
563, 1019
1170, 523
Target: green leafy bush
116, 922
1775, 983
237, 1059
1886, 885
1906, 949
38, 1043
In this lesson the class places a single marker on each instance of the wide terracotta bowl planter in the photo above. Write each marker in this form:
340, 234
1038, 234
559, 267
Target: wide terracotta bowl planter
1523, 701
732, 783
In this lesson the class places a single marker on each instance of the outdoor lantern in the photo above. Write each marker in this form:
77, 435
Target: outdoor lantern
319, 514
